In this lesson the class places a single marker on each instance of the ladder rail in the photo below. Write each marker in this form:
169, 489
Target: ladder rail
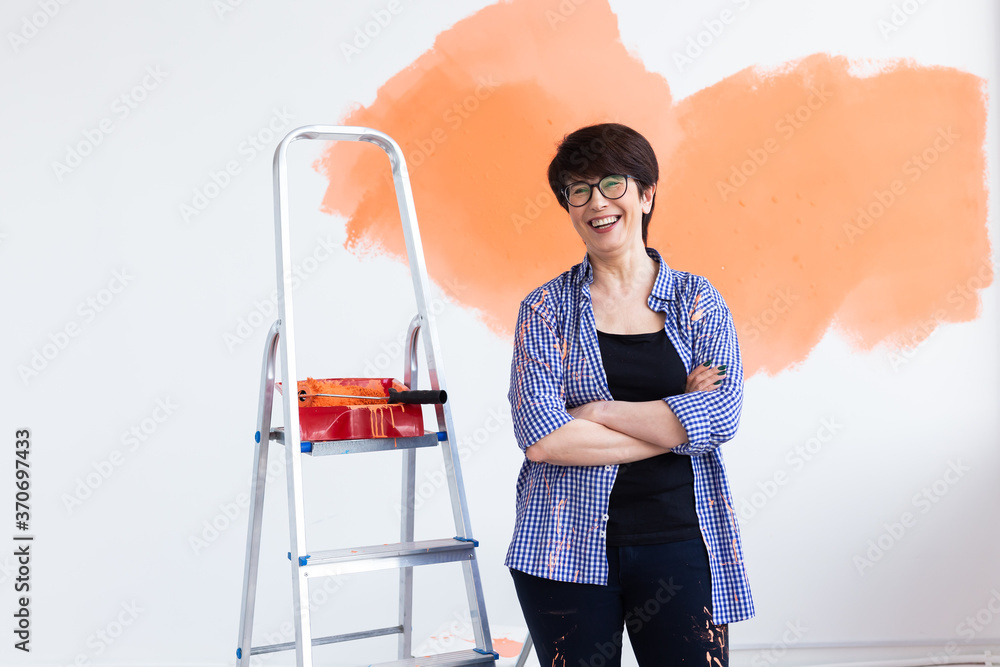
405, 641
257, 486
435, 373
293, 444
407, 496
456, 490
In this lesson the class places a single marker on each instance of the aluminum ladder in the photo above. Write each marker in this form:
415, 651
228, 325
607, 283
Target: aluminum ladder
406, 554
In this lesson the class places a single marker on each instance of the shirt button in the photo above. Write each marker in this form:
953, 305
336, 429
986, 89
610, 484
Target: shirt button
608, 468
604, 517
602, 533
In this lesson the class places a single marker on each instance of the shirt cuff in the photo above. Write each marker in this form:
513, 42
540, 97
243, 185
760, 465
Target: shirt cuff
533, 425
691, 410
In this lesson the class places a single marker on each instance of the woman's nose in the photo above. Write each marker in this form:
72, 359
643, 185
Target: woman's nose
597, 199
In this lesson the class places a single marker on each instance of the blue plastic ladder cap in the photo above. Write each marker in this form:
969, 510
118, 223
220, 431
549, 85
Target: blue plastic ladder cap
482, 651
307, 447
475, 543
442, 436
302, 559
239, 651
256, 437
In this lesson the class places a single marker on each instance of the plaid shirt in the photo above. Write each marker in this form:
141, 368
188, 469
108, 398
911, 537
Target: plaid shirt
562, 511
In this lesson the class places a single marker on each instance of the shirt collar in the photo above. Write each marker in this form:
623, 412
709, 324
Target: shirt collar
662, 288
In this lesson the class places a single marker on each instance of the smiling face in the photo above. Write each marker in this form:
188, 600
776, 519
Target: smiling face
608, 226
590, 154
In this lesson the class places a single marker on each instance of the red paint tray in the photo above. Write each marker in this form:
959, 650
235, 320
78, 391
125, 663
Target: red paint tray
375, 419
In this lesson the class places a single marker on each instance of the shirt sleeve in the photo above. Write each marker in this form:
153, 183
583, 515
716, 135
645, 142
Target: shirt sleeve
537, 395
711, 417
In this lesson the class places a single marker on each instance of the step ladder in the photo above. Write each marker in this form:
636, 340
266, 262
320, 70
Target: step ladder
406, 554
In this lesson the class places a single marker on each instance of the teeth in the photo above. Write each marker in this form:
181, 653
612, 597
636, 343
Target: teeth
601, 223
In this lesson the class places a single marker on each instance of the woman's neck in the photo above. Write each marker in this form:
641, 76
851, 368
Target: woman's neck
624, 271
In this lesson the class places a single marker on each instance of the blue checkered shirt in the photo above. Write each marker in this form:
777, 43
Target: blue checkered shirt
562, 511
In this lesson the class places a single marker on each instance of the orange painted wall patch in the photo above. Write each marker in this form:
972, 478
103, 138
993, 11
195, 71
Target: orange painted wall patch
810, 197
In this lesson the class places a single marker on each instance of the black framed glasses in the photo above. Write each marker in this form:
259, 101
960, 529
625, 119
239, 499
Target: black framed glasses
611, 187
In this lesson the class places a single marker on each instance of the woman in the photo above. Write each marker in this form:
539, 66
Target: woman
625, 380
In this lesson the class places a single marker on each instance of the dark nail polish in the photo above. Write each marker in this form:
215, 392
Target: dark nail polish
722, 372
707, 364
717, 382
722, 367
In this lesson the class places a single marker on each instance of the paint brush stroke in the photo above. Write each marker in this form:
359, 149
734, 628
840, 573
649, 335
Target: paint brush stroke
810, 197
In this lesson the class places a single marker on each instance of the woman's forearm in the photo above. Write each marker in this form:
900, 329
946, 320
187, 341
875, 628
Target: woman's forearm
582, 442
650, 421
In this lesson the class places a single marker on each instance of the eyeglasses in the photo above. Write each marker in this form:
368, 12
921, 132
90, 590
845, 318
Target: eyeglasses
611, 187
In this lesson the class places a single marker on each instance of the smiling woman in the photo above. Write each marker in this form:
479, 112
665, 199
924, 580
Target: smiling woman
625, 380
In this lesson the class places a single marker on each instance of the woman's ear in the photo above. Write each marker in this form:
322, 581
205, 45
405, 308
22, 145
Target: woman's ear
646, 198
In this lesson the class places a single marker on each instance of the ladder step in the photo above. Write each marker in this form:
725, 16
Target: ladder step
328, 447
388, 556
332, 639
453, 659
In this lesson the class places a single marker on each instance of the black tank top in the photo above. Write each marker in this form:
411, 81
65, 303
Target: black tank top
652, 501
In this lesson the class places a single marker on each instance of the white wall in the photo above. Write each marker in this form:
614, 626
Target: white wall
128, 552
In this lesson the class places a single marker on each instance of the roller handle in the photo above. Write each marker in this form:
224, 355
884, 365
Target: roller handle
418, 396
428, 397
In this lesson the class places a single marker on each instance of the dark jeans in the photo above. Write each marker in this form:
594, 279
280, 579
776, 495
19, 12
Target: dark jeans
660, 593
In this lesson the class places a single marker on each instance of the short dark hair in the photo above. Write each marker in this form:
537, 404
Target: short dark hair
598, 150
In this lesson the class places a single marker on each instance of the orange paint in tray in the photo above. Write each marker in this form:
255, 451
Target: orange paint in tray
323, 418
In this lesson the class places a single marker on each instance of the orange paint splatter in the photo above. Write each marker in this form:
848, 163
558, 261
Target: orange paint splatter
556, 511
810, 197
507, 648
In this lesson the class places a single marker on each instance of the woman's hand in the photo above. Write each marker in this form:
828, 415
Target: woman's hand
705, 377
